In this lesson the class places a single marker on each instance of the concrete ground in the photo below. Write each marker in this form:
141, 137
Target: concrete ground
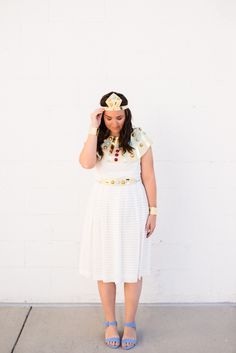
79, 329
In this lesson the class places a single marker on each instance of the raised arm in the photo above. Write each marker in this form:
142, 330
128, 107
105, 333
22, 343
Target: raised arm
88, 157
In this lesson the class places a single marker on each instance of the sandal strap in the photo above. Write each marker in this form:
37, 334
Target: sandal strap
129, 340
116, 339
112, 323
130, 324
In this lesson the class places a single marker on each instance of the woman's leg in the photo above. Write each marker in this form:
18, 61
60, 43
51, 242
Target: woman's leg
107, 293
132, 293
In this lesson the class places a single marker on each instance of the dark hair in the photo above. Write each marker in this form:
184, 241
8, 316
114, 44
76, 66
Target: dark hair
126, 130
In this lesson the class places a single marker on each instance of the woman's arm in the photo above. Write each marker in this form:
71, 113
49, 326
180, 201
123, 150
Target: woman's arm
88, 157
148, 177
149, 182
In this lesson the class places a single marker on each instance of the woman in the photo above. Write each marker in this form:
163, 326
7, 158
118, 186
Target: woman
121, 211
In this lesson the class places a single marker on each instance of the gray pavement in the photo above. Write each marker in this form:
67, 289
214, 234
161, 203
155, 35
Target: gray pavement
79, 329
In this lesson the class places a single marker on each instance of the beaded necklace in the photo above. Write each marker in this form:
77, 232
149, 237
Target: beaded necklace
111, 143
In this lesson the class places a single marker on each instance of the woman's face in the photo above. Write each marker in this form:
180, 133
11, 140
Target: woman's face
114, 121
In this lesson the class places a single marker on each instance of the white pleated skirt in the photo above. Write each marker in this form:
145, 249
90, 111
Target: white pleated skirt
113, 242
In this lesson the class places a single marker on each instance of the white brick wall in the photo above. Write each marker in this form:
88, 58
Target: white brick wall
175, 61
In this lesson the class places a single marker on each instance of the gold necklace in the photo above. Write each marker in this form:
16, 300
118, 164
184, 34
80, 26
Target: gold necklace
111, 143
114, 142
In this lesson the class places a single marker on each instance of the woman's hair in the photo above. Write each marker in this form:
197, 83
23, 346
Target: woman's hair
126, 130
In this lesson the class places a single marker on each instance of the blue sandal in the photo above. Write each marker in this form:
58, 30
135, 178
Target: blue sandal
112, 339
129, 340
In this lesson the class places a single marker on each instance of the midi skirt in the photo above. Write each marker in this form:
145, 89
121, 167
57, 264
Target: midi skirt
113, 242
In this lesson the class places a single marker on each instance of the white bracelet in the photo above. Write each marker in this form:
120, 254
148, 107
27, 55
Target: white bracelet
93, 130
153, 210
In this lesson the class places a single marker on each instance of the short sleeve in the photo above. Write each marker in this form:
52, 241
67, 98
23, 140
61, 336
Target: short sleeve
141, 141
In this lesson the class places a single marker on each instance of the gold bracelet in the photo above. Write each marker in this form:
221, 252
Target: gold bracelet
93, 130
153, 210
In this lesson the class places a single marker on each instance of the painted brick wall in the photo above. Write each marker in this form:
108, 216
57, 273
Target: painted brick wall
175, 61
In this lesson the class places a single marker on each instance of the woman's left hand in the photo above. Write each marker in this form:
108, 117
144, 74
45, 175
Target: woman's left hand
150, 224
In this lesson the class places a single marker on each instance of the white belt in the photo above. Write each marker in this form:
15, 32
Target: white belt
117, 181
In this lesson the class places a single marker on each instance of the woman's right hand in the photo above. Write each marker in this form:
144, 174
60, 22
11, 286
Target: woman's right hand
96, 117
